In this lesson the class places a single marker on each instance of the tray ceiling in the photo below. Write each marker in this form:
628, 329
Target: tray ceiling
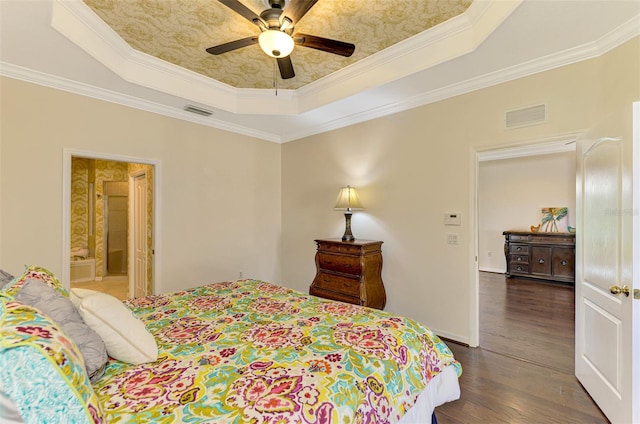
179, 32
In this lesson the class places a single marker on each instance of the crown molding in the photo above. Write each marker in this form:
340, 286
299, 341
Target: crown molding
75, 87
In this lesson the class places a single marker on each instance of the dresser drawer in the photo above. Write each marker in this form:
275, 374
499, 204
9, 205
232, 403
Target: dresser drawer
519, 249
340, 263
522, 259
338, 284
519, 267
515, 237
568, 239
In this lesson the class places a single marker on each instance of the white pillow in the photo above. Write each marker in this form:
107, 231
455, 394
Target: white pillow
124, 335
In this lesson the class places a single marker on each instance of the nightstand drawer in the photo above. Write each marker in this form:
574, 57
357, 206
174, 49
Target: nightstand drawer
344, 248
338, 284
328, 294
340, 263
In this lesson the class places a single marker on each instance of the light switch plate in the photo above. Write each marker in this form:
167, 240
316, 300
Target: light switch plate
452, 218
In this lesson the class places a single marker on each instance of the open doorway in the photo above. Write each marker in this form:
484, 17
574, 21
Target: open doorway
526, 319
101, 224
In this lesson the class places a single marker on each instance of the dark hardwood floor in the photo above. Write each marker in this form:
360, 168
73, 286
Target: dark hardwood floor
523, 371
527, 319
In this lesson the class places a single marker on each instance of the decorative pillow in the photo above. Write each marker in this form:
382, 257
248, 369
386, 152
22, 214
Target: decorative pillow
9, 413
41, 369
125, 336
38, 273
5, 278
64, 313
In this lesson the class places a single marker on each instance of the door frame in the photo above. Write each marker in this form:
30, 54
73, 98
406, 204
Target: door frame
67, 155
560, 143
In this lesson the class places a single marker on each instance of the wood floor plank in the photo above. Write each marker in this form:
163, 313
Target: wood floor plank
523, 371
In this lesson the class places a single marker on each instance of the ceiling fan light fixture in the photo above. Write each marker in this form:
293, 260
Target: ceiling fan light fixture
276, 43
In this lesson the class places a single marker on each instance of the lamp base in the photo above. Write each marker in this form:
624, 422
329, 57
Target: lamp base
347, 231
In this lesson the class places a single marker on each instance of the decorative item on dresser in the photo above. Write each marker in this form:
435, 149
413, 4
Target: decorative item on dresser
349, 271
546, 256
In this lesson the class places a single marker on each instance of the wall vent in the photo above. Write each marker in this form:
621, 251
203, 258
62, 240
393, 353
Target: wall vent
198, 110
526, 116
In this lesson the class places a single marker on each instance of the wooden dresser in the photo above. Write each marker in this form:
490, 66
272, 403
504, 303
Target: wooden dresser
546, 256
350, 271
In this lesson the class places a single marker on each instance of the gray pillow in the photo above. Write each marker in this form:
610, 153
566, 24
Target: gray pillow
60, 309
5, 278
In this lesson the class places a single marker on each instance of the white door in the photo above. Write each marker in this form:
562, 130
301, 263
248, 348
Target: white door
606, 341
140, 235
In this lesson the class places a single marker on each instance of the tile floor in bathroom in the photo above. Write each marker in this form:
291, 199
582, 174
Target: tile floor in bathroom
117, 286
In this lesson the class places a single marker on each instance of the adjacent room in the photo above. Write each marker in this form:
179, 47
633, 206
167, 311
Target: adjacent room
300, 210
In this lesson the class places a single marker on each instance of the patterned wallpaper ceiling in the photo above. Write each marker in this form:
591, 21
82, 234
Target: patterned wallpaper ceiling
179, 31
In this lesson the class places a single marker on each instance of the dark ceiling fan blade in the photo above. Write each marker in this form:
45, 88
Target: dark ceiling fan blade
286, 67
241, 9
233, 45
324, 44
296, 9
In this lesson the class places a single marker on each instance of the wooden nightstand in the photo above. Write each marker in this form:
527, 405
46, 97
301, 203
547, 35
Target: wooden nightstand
350, 271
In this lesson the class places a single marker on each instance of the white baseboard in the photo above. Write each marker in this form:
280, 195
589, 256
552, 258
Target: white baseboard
450, 336
494, 270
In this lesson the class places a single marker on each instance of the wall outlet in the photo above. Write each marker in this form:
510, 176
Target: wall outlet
489, 254
452, 218
452, 239
240, 275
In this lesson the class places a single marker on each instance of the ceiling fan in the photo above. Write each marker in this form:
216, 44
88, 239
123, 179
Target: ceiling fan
277, 37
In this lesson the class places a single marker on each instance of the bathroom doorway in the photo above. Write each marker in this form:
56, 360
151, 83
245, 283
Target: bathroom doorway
101, 224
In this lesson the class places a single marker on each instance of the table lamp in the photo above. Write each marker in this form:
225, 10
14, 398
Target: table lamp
348, 202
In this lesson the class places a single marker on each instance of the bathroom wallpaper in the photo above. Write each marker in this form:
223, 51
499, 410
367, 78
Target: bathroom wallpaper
79, 203
83, 172
105, 170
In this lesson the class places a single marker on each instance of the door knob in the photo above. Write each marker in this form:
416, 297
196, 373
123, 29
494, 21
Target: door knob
618, 290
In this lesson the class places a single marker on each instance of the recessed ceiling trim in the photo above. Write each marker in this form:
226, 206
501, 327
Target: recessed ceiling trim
83, 27
453, 38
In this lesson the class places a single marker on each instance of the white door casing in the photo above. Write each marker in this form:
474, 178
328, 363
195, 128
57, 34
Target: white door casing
604, 354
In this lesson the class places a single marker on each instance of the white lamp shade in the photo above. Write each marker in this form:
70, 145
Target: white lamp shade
348, 200
276, 43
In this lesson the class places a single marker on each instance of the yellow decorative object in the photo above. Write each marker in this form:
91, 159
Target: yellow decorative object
535, 229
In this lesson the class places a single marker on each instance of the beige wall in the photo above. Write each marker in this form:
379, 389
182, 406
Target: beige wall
219, 193
224, 198
511, 193
412, 167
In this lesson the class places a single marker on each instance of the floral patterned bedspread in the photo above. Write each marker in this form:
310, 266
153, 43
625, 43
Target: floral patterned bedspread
250, 351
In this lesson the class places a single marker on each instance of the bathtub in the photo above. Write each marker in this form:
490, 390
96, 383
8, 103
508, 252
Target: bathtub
83, 270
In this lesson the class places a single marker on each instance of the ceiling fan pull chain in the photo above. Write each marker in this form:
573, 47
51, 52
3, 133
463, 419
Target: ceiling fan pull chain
275, 76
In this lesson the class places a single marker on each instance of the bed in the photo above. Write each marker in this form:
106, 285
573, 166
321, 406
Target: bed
251, 351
